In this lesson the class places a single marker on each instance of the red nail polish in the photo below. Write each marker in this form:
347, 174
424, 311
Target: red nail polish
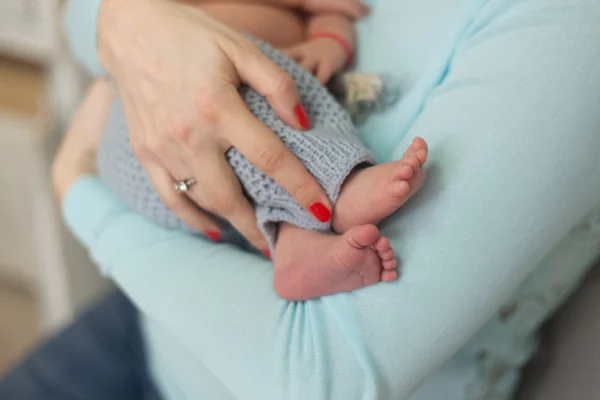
320, 212
267, 253
214, 235
301, 116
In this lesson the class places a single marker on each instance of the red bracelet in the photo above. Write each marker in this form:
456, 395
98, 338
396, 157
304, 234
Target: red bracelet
337, 38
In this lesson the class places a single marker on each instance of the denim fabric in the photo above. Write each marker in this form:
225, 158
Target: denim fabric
100, 356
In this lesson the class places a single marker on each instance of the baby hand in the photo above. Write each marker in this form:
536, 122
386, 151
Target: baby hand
354, 9
322, 57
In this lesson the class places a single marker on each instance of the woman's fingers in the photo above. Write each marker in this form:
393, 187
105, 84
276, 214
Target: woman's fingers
262, 75
220, 192
266, 151
154, 160
179, 203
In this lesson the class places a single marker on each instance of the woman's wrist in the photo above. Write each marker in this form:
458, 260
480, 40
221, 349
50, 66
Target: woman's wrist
119, 21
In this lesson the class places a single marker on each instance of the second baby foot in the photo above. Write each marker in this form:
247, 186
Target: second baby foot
310, 264
371, 194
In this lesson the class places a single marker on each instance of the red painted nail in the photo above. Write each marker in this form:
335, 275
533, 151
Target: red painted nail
267, 253
214, 235
320, 212
301, 116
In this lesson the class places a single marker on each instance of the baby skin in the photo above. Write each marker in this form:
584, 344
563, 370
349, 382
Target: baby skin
309, 264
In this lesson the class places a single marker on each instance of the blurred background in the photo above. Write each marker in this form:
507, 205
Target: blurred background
45, 276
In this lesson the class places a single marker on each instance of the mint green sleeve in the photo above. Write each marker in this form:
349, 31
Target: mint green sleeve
79, 21
507, 96
217, 302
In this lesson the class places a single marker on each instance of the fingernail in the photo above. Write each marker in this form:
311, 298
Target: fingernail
267, 253
214, 235
320, 212
301, 116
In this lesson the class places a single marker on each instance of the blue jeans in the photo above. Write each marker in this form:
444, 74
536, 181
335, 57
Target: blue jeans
99, 356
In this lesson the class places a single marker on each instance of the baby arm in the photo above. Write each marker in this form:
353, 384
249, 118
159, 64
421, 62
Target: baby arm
328, 46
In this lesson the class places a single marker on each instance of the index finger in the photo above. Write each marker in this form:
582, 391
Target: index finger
268, 153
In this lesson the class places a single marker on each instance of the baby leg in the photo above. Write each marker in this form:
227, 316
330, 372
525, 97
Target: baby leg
370, 194
309, 264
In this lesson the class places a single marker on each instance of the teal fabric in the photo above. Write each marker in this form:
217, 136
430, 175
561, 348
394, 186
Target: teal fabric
79, 21
507, 95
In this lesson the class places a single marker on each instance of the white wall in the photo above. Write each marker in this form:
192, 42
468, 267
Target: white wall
16, 227
27, 28
35, 249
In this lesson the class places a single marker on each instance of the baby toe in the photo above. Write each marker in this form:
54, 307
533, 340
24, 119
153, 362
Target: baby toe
413, 161
390, 264
398, 188
382, 244
402, 171
388, 275
422, 156
386, 255
418, 143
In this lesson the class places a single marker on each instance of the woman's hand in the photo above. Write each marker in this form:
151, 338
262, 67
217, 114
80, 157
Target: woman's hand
177, 71
76, 156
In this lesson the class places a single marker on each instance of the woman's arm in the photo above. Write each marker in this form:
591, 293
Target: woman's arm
513, 169
81, 17
460, 261
218, 303
177, 71
498, 198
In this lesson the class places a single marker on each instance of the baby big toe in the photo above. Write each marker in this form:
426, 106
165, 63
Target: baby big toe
422, 156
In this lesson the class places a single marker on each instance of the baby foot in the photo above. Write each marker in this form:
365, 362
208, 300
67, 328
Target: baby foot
371, 194
334, 264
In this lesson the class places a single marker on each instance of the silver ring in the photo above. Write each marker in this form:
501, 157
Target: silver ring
184, 185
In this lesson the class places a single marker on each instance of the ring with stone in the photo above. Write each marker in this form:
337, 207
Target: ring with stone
184, 185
